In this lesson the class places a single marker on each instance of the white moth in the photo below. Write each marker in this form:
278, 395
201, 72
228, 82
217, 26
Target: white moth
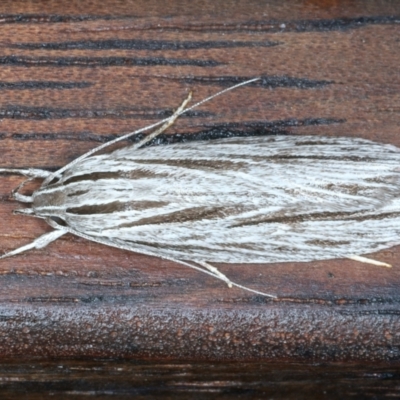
236, 200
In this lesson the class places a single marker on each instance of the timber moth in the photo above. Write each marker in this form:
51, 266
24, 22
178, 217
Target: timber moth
236, 200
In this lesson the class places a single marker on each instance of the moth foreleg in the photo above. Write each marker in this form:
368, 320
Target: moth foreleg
30, 172
165, 126
367, 260
40, 242
21, 197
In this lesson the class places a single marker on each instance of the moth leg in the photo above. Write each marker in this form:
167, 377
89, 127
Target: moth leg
30, 172
218, 276
164, 126
39, 243
216, 272
145, 250
367, 260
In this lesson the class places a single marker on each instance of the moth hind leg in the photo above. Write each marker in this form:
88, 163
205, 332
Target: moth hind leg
367, 260
216, 272
145, 250
38, 243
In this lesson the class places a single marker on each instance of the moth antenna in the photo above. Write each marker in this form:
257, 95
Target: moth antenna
146, 128
219, 94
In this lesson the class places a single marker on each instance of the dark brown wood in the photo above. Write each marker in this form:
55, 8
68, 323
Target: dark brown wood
73, 74
121, 379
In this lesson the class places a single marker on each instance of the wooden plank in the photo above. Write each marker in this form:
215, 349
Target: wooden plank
76, 379
75, 74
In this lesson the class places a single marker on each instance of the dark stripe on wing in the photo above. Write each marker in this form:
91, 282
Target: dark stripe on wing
363, 215
327, 243
115, 206
185, 215
198, 164
236, 165
131, 174
77, 193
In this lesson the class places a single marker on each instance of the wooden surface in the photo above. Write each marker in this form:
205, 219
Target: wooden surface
122, 379
73, 74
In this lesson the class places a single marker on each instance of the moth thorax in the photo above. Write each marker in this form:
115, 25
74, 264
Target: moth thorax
48, 198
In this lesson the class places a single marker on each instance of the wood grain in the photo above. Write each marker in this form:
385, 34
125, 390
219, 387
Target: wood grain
74, 74
105, 379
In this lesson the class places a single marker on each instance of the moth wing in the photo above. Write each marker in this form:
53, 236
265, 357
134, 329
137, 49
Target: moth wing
256, 199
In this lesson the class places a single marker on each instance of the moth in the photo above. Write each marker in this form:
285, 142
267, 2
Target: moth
235, 200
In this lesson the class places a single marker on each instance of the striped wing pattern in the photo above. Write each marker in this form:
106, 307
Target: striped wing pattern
237, 200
